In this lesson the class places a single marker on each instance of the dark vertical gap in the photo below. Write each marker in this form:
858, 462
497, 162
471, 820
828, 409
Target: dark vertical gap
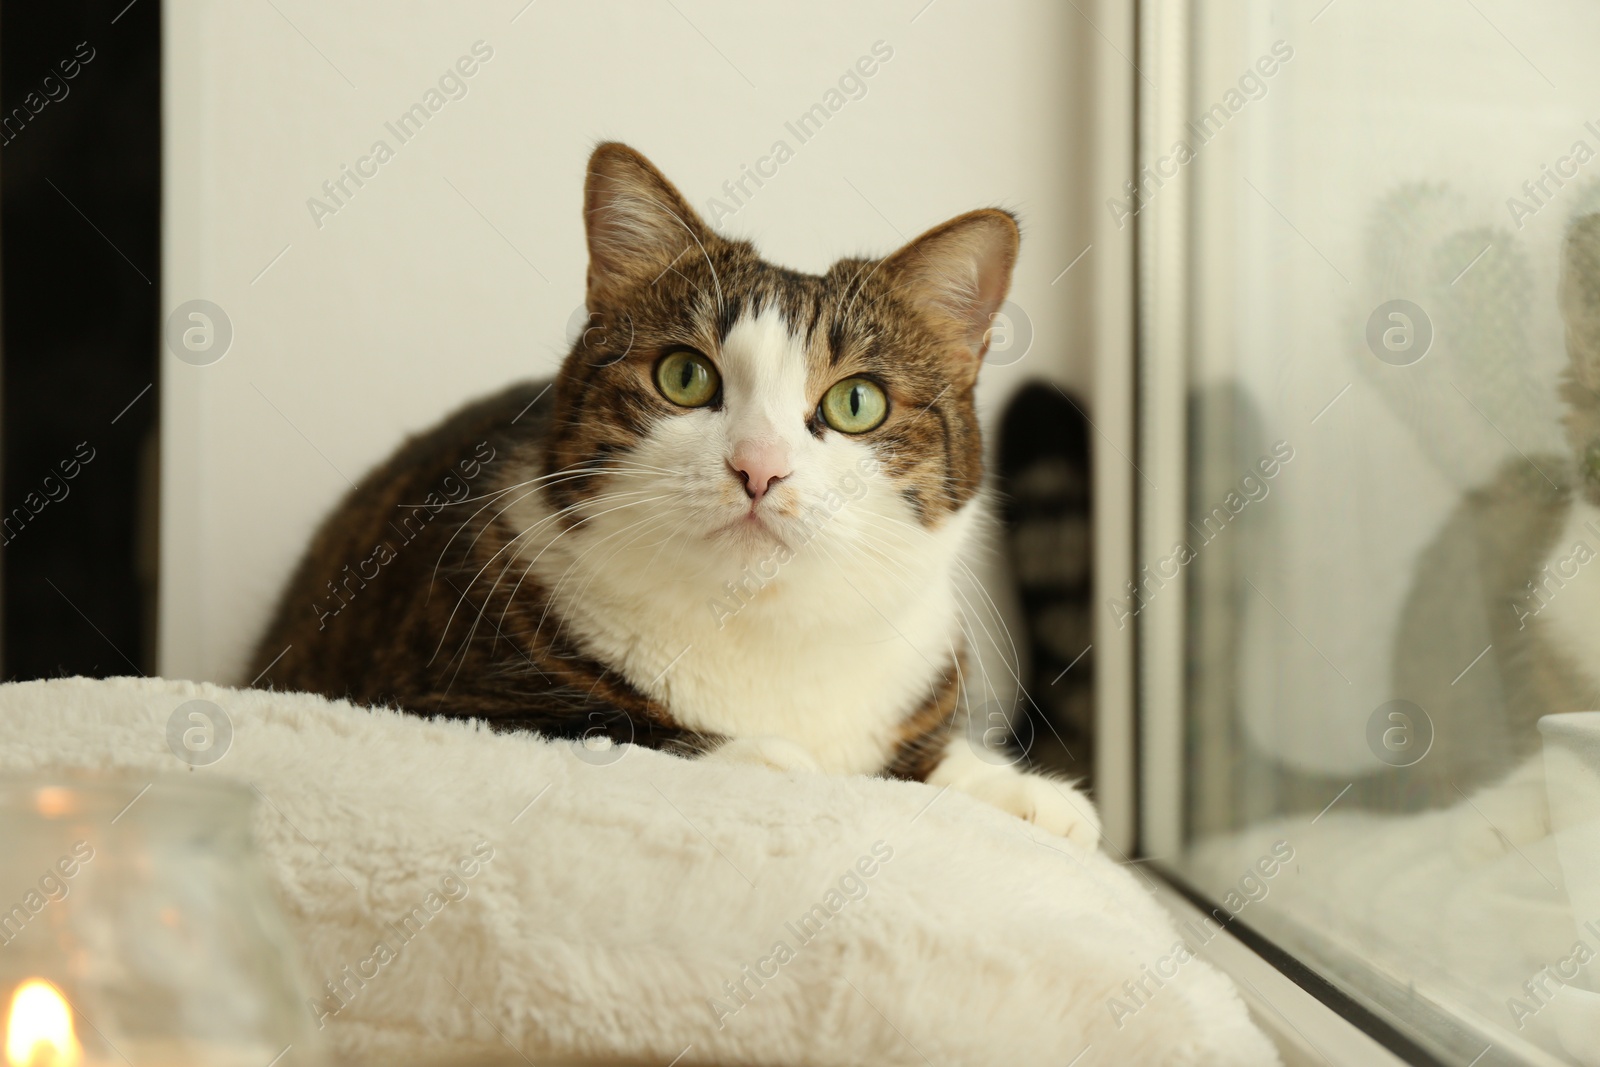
80, 195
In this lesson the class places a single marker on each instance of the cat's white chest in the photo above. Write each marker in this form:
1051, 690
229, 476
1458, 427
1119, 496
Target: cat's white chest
1564, 600
838, 691
832, 654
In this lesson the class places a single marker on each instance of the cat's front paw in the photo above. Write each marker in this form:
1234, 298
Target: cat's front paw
778, 753
1055, 807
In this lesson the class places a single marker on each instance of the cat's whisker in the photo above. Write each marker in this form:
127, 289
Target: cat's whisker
882, 535
963, 704
683, 545
502, 511
969, 641
555, 589
512, 541
671, 536
511, 561
581, 592
650, 525
972, 617
574, 470
475, 577
552, 543
898, 568
1012, 662
994, 612
991, 610
561, 476
874, 543
570, 509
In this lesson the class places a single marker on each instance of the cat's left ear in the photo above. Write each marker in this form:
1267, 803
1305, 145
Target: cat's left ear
958, 274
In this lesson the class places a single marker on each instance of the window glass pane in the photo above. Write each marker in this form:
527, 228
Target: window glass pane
1391, 560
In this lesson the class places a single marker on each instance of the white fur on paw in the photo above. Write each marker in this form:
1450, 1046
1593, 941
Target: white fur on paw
1053, 806
778, 753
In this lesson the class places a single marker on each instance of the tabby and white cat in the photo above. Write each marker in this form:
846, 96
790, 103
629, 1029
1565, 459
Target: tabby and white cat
733, 526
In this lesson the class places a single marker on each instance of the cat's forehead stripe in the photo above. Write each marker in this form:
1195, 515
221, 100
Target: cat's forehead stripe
796, 297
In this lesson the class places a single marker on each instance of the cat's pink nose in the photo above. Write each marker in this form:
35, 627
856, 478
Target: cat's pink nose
760, 465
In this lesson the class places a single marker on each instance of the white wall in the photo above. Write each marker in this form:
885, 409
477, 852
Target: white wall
455, 269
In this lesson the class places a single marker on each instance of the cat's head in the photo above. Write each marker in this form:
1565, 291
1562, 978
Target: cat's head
748, 399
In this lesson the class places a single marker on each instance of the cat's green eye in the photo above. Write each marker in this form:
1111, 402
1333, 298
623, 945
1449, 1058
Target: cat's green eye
687, 378
855, 405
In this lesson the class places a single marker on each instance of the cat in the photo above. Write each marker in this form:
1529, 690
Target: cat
732, 527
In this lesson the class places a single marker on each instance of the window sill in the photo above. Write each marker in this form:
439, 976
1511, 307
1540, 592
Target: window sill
1305, 1030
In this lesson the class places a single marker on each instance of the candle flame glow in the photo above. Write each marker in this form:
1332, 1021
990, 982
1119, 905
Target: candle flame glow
39, 1028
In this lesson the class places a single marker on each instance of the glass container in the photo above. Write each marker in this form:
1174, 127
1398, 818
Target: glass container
137, 927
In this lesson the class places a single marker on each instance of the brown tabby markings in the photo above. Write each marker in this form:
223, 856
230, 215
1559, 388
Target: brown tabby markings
449, 627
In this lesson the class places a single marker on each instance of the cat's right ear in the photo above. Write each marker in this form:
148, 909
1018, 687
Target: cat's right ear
638, 224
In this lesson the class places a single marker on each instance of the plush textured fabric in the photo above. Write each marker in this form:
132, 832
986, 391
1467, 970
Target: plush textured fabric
616, 907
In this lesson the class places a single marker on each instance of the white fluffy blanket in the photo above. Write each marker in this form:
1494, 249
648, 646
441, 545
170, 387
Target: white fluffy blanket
623, 901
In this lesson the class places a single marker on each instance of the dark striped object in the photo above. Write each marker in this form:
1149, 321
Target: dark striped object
1045, 497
